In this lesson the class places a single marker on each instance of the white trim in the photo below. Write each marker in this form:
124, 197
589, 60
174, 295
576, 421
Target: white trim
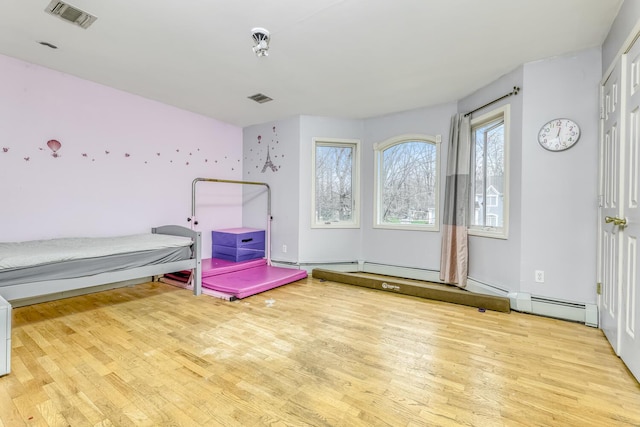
342, 266
630, 40
492, 232
5, 337
355, 181
378, 148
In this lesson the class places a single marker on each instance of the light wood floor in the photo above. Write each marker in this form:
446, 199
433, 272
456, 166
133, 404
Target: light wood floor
320, 354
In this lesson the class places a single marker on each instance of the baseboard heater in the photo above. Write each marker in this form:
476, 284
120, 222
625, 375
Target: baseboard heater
565, 310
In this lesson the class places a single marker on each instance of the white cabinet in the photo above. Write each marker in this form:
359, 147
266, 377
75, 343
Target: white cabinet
5, 337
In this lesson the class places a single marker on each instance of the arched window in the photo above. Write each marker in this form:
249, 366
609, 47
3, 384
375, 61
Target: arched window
407, 182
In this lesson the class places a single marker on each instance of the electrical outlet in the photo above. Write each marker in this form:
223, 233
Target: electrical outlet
284, 249
539, 276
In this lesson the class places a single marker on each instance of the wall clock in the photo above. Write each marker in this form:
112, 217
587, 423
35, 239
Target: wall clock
559, 134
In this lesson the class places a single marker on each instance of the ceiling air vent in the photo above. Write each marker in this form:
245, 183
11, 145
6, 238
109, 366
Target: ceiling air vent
70, 14
260, 98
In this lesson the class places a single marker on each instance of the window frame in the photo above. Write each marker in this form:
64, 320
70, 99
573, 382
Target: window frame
355, 181
378, 150
502, 112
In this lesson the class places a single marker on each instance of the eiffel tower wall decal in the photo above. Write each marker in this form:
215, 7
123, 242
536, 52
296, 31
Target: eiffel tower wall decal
268, 163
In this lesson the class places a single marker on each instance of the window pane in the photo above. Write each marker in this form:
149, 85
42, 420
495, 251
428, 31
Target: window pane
408, 184
489, 174
334, 190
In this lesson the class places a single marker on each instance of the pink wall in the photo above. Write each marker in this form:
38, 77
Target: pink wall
125, 164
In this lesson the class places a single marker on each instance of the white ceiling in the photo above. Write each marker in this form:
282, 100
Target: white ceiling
337, 58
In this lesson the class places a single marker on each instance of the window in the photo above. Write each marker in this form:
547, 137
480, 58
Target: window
489, 168
406, 183
335, 201
492, 200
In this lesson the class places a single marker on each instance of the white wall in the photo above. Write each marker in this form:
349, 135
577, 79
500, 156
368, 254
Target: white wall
552, 205
291, 143
282, 138
419, 249
559, 189
543, 185
497, 261
324, 245
125, 165
621, 29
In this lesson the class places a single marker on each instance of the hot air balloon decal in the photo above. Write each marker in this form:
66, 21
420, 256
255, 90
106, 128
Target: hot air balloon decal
54, 145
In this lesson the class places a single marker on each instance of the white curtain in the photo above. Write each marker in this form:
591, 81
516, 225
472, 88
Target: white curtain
454, 261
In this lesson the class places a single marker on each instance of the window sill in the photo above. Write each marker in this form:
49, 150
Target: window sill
492, 234
336, 225
407, 227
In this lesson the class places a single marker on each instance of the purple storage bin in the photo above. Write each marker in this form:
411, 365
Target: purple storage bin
230, 253
250, 238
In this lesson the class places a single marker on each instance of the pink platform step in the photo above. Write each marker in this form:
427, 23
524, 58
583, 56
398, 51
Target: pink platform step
216, 266
250, 281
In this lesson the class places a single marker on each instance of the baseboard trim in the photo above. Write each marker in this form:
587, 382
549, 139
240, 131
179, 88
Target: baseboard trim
344, 267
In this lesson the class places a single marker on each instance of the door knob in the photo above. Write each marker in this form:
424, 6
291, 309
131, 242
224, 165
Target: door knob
615, 220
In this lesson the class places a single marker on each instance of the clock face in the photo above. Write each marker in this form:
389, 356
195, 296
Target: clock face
559, 134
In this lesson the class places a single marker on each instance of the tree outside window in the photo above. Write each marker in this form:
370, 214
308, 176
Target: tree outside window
335, 202
407, 183
489, 213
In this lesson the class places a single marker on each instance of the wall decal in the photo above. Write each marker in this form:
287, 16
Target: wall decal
185, 156
54, 145
268, 164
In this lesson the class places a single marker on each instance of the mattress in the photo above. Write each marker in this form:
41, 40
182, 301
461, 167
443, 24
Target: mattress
39, 252
33, 261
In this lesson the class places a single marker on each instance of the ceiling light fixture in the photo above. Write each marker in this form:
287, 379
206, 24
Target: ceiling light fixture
261, 38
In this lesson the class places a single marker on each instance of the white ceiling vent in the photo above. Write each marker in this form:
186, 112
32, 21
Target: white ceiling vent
70, 14
260, 98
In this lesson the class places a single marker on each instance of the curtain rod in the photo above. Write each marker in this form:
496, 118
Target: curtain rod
515, 91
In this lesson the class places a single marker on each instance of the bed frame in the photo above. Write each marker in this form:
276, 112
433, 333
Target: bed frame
36, 289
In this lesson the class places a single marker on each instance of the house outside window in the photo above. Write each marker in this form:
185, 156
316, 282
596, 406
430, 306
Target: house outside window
335, 185
489, 174
407, 182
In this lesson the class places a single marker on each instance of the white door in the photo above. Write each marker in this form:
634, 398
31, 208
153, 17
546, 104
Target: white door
610, 180
629, 348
